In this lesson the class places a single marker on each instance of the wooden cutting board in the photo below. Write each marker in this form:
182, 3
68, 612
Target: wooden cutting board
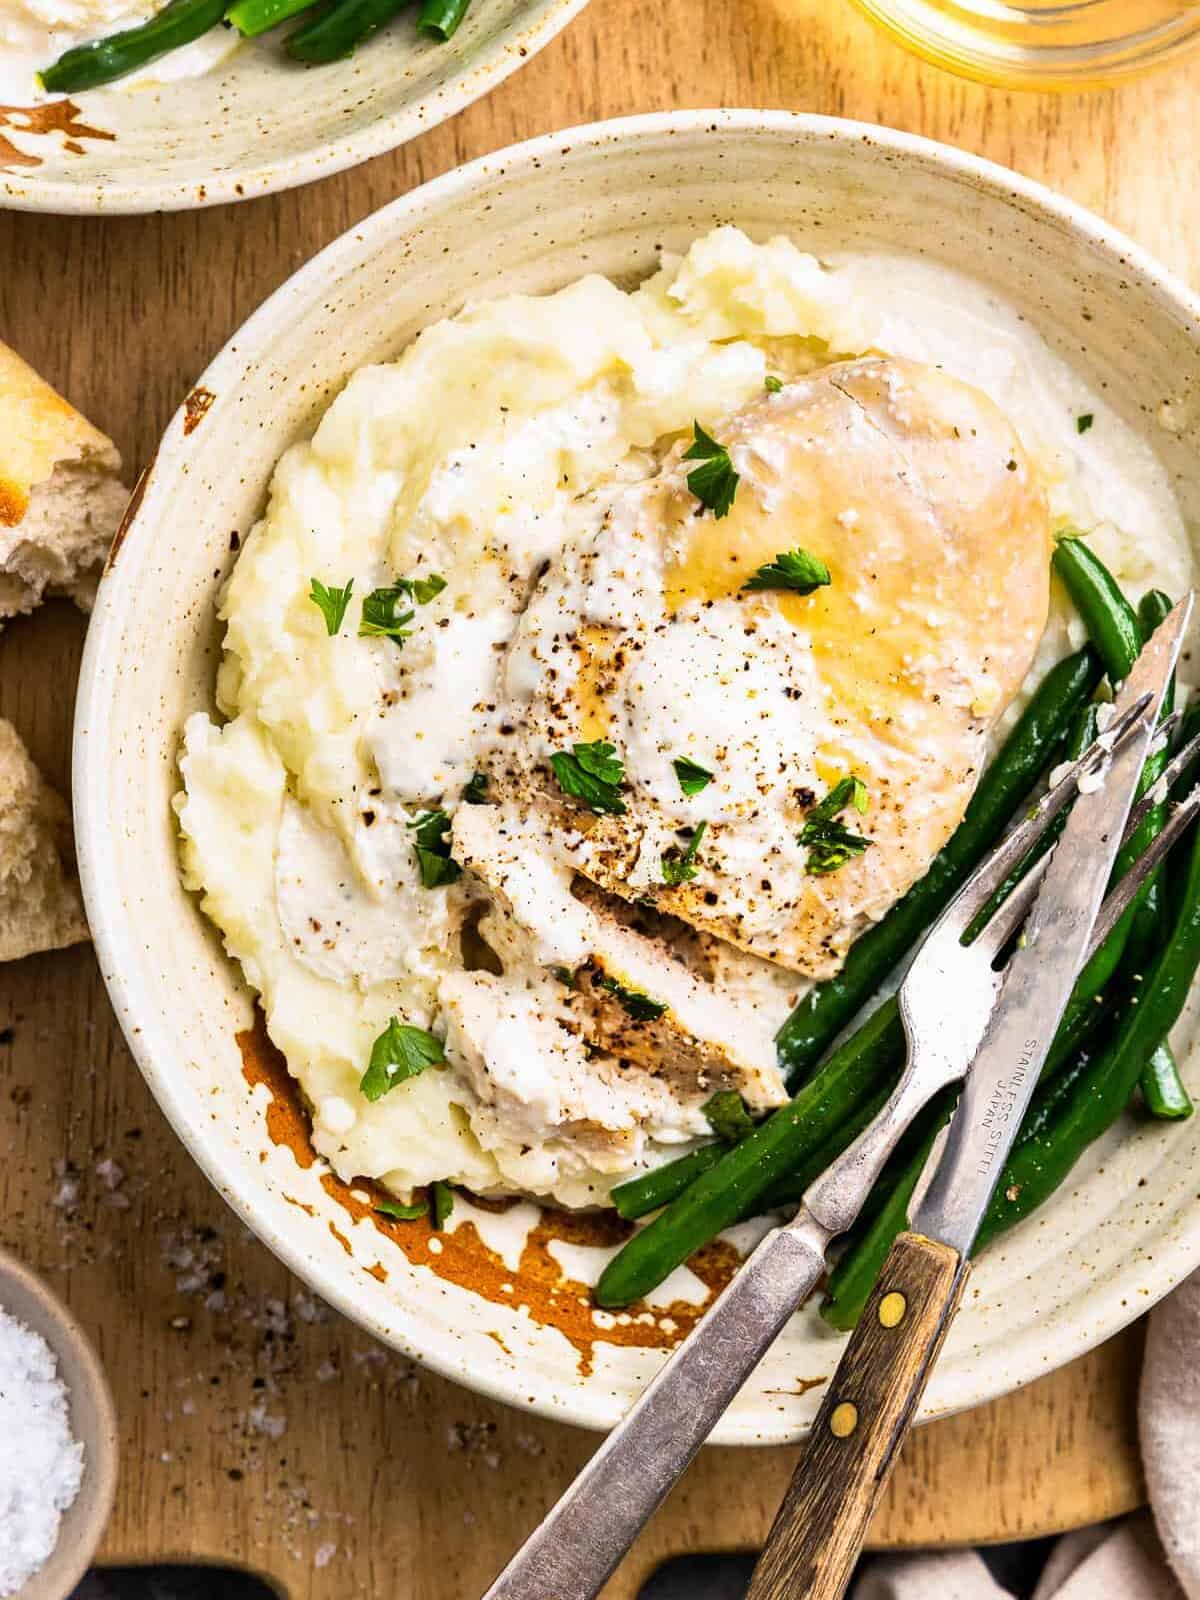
256, 1427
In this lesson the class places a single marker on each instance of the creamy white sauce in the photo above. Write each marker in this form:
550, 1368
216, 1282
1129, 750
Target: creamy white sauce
500, 440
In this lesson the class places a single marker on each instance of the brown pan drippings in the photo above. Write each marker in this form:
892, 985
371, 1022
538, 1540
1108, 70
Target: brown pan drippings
59, 116
539, 1284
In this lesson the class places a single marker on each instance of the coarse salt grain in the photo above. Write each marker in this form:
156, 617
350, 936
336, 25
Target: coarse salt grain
41, 1464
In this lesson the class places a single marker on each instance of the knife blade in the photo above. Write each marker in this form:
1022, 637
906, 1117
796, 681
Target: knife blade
1042, 972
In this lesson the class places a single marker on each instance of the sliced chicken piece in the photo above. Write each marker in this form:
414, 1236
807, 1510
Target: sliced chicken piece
916, 494
542, 1090
628, 1039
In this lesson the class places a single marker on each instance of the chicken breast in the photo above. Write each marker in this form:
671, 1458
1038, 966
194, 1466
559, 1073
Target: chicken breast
913, 491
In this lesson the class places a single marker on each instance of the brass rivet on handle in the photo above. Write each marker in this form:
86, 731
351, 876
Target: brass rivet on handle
843, 1420
892, 1309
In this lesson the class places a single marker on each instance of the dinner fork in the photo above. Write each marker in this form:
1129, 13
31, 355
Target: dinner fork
946, 1002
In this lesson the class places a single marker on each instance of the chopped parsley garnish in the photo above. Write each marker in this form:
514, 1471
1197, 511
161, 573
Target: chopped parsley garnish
333, 603
727, 1115
830, 843
382, 617
714, 483
850, 791
830, 846
692, 776
400, 1052
1084, 421
565, 976
475, 793
797, 570
381, 613
423, 590
592, 773
638, 1005
442, 1196
431, 841
677, 869
772, 384
402, 1213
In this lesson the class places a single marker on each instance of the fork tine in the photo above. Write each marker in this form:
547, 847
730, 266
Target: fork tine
1165, 730
1121, 895
1011, 851
1011, 913
1170, 774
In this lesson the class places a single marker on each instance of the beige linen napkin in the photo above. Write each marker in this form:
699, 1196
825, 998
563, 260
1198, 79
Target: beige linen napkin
1115, 1561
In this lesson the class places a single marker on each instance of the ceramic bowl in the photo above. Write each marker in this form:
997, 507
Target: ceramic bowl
258, 122
93, 1423
476, 1305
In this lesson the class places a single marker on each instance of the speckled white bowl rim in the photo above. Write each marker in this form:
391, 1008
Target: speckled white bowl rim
1097, 1315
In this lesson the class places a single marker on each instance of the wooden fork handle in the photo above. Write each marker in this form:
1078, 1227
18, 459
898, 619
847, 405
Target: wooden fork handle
847, 1459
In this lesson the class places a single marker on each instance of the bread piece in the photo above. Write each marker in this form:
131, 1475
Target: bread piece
40, 905
61, 499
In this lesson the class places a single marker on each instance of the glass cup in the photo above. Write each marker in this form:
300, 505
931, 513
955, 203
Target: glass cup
1043, 44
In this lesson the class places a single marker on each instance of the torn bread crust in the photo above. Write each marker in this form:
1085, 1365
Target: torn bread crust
703, 1039
61, 499
40, 904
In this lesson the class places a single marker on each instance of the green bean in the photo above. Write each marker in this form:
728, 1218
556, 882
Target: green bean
1153, 610
1162, 1087
653, 1189
1083, 1016
788, 1191
338, 33
442, 17
737, 1184
254, 17
88, 65
1036, 1168
822, 1014
1052, 1093
883, 1217
1111, 621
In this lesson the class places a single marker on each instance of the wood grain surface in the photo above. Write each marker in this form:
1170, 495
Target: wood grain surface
255, 1426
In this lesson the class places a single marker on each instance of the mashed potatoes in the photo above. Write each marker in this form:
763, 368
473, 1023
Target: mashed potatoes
583, 1035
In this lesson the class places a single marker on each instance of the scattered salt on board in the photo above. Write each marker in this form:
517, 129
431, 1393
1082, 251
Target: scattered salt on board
41, 1465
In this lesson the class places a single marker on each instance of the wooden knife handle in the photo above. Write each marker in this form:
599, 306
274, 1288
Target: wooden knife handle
847, 1458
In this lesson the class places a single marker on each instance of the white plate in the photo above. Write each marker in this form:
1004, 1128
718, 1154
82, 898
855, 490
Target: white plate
258, 121
1124, 1229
